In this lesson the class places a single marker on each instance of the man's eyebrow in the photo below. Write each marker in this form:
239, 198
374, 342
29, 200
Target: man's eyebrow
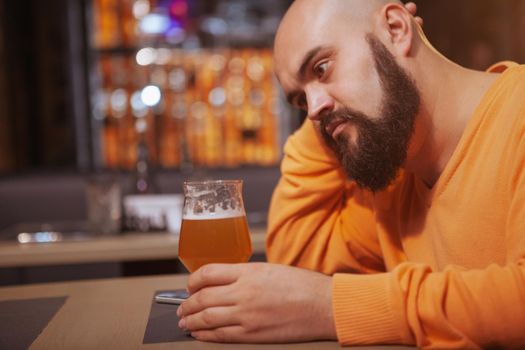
307, 59
301, 73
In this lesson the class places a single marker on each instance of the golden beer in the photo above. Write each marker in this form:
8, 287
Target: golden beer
222, 240
214, 227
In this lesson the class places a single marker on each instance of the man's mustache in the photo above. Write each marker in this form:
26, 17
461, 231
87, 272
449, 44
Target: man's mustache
341, 115
331, 118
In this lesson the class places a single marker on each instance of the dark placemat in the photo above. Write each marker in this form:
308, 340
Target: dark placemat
163, 324
22, 321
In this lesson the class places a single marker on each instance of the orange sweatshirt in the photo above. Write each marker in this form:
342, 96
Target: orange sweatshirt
440, 268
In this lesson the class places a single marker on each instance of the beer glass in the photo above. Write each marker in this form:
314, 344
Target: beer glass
214, 227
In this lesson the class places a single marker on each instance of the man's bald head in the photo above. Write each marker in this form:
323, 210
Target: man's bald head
343, 62
352, 12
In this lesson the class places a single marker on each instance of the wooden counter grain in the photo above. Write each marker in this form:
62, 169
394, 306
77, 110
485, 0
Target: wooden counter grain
113, 314
125, 247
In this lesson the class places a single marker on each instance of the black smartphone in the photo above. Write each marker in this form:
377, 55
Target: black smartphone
172, 297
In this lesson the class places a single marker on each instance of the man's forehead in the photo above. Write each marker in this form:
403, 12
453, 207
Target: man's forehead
311, 20
313, 15
303, 27
306, 26
306, 16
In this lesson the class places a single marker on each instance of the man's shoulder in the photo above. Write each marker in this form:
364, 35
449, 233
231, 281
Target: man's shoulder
500, 67
512, 89
512, 74
508, 103
509, 90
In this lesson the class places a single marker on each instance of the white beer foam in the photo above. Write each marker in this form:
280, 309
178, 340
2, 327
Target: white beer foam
218, 214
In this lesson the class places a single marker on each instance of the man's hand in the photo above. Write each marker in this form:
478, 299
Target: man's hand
258, 302
412, 8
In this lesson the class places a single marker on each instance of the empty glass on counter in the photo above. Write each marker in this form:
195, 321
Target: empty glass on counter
103, 197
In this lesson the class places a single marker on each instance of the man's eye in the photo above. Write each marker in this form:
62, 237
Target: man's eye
320, 69
301, 102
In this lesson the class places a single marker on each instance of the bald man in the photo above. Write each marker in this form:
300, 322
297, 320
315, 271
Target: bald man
401, 205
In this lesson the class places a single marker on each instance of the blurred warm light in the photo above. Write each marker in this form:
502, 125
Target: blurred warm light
159, 77
215, 26
179, 8
255, 69
39, 237
146, 56
217, 96
24, 237
217, 62
154, 23
119, 100
175, 35
163, 56
138, 107
150, 95
177, 79
140, 8
236, 65
141, 125
100, 104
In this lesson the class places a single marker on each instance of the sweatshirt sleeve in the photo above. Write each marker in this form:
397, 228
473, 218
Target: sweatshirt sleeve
318, 220
454, 308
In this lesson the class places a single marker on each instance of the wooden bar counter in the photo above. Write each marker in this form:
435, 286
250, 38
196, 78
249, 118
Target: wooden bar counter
124, 247
113, 314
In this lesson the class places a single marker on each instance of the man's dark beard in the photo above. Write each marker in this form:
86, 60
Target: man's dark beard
382, 143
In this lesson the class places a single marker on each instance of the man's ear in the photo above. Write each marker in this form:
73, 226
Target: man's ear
398, 27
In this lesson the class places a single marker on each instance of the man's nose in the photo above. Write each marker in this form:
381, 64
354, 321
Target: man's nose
319, 103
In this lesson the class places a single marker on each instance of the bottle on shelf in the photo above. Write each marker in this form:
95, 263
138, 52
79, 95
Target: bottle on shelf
137, 217
144, 181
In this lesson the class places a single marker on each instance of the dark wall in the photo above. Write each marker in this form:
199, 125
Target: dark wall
476, 33
38, 92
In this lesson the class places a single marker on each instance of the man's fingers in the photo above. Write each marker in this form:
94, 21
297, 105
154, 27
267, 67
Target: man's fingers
205, 298
229, 334
213, 275
210, 318
411, 7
